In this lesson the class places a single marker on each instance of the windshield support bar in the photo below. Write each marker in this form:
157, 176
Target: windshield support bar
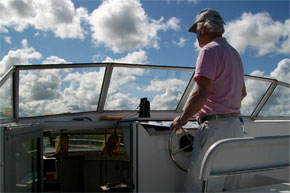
186, 94
16, 93
105, 87
6, 76
264, 99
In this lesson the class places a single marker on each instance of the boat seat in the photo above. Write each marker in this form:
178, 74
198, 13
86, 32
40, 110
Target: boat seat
237, 156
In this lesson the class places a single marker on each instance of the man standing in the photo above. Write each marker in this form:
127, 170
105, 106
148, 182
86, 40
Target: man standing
217, 97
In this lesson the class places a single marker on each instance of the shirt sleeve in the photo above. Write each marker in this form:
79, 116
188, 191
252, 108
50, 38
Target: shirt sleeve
197, 78
205, 64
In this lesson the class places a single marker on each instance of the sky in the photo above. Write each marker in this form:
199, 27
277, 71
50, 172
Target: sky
140, 31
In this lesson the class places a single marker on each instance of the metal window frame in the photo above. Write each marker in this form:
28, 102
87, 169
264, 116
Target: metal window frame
16, 93
105, 87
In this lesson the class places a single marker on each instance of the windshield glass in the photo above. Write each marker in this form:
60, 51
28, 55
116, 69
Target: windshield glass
114, 87
56, 91
163, 88
278, 105
255, 91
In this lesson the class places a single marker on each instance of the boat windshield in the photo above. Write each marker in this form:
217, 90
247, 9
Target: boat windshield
40, 90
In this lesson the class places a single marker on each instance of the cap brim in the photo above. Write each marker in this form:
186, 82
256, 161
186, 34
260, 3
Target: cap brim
193, 28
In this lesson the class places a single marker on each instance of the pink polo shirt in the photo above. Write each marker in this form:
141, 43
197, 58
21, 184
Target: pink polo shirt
222, 64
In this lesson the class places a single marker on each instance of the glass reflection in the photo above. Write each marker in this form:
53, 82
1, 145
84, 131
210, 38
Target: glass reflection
26, 166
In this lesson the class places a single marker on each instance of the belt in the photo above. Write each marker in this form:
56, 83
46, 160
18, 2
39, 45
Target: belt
217, 117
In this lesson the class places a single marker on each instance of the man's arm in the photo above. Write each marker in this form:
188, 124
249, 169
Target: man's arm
195, 103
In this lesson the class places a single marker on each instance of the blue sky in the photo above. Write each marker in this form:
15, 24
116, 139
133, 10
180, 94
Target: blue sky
76, 48
131, 31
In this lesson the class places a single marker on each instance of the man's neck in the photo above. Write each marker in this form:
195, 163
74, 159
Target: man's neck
212, 36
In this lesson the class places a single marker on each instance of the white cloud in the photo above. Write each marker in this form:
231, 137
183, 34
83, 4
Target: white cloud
7, 39
60, 17
21, 56
182, 42
282, 72
16, 14
160, 85
55, 60
98, 57
167, 100
172, 90
137, 57
36, 85
120, 101
124, 26
258, 31
173, 23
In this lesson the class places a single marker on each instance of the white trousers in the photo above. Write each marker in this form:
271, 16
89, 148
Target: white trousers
210, 132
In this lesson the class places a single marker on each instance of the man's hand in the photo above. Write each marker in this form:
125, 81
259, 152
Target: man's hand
195, 102
176, 124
